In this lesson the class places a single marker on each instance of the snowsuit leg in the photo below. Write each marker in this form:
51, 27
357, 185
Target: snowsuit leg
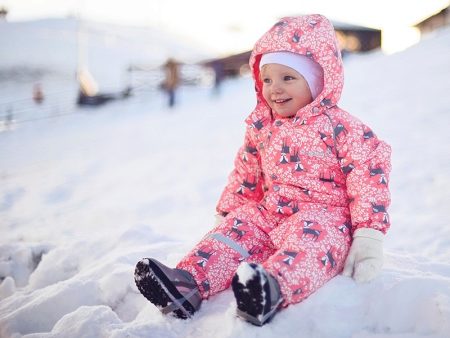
242, 236
312, 247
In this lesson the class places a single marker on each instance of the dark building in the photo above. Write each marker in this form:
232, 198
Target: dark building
434, 22
231, 66
354, 39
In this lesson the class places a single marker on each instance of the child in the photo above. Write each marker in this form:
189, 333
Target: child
307, 198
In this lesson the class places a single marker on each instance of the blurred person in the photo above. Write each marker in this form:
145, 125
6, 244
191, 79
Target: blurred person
217, 67
171, 80
308, 196
38, 94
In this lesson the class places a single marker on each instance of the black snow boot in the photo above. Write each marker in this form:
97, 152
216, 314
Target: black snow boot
257, 294
173, 291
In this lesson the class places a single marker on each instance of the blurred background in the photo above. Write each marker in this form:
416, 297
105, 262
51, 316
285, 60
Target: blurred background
50, 49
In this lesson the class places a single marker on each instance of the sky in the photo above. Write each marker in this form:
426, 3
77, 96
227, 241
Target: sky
227, 28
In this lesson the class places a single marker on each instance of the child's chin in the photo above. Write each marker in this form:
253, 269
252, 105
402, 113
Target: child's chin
285, 114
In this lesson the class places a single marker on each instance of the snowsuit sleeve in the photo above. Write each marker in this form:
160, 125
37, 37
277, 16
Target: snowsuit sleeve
245, 183
366, 162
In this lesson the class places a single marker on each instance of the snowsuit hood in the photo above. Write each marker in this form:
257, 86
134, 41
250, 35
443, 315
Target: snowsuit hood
309, 35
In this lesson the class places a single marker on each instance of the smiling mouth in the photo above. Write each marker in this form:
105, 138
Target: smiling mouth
280, 101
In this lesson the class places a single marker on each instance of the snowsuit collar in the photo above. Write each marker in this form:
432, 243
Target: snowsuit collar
309, 35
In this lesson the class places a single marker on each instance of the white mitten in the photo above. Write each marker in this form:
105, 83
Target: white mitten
365, 259
219, 219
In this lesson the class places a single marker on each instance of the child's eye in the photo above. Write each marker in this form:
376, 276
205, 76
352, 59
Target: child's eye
266, 80
288, 78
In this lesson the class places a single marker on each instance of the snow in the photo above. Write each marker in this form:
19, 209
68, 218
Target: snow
245, 273
85, 196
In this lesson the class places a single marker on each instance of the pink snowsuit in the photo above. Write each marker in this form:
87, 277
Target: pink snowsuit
301, 185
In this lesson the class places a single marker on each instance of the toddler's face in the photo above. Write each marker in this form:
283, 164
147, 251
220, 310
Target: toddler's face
284, 89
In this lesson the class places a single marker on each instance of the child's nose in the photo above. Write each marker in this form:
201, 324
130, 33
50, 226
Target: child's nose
276, 87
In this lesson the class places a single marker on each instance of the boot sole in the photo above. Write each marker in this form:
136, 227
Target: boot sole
159, 290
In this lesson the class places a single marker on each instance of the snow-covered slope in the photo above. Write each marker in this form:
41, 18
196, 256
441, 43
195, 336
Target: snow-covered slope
84, 197
53, 44
49, 50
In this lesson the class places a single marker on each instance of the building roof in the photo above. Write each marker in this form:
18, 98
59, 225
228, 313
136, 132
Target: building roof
340, 25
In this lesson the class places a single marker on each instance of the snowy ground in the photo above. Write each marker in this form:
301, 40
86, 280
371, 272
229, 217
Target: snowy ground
85, 196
